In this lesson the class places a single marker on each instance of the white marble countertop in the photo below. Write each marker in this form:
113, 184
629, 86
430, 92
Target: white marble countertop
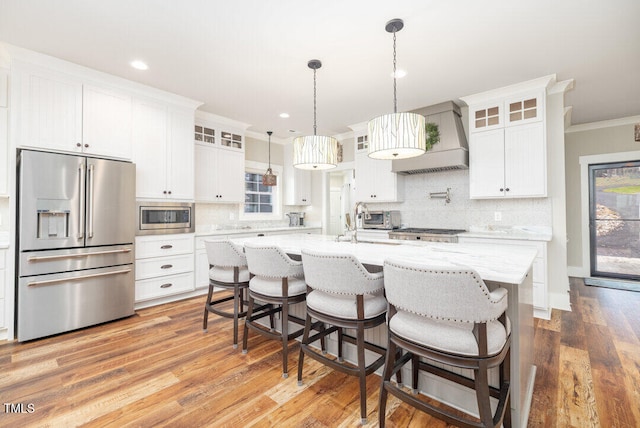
492, 262
230, 231
523, 233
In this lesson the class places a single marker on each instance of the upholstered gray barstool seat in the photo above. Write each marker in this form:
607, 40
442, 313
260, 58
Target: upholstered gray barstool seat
228, 270
445, 314
342, 293
278, 281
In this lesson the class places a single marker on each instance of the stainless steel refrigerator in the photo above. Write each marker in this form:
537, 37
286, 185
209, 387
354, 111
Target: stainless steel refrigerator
76, 222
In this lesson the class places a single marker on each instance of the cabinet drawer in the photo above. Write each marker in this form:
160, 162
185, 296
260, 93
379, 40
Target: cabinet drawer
163, 245
164, 286
162, 266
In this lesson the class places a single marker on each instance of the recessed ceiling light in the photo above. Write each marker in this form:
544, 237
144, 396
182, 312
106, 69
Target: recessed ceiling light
399, 74
139, 65
284, 115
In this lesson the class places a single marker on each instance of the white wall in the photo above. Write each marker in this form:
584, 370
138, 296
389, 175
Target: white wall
4, 214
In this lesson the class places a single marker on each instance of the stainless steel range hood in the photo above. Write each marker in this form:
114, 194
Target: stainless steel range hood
452, 152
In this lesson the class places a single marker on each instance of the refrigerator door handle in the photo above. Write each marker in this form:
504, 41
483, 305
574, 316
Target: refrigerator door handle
82, 203
71, 256
76, 278
90, 174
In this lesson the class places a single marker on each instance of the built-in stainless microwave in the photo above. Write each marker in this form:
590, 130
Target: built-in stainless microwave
387, 220
156, 218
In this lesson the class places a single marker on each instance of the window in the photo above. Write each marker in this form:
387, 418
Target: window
257, 197
260, 202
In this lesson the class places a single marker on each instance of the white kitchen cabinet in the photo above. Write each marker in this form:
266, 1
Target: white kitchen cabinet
106, 122
219, 174
164, 265
50, 109
2, 285
4, 132
163, 150
540, 276
374, 181
63, 113
508, 163
297, 188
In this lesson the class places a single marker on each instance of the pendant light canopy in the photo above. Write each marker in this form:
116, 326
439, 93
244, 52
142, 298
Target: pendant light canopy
268, 178
315, 152
396, 135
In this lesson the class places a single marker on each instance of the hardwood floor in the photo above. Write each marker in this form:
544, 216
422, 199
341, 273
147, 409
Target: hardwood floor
158, 368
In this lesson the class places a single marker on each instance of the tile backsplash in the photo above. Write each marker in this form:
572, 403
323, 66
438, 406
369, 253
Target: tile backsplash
419, 210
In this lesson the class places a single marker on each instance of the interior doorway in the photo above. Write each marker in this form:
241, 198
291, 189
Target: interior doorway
340, 197
614, 220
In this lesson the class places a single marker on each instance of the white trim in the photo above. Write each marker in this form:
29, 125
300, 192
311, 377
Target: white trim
561, 87
585, 161
220, 120
511, 90
603, 124
260, 167
577, 271
560, 301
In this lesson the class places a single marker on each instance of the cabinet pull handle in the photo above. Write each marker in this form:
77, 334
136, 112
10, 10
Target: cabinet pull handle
166, 247
167, 285
166, 266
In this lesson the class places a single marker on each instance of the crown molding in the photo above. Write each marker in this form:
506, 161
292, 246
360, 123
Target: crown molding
603, 124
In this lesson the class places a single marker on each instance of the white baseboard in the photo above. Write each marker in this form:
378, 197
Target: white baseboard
577, 271
560, 301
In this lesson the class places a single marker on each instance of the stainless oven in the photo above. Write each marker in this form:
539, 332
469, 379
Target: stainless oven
387, 220
155, 218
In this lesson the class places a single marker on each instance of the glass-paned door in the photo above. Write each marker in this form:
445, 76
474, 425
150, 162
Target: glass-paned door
614, 222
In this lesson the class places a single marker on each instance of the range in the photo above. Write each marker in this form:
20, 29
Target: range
431, 235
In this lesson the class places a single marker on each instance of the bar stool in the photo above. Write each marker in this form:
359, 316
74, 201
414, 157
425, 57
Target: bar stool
445, 314
278, 281
228, 271
343, 294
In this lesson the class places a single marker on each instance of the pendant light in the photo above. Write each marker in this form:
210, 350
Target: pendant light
315, 152
396, 135
268, 178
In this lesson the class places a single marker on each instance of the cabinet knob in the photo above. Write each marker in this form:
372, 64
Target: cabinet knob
86, 145
78, 145
502, 189
169, 192
507, 189
164, 192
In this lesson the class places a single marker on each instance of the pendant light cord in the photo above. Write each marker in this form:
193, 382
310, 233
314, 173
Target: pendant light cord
269, 132
395, 90
314, 101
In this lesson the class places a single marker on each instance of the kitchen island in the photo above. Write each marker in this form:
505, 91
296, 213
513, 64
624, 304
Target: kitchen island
498, 266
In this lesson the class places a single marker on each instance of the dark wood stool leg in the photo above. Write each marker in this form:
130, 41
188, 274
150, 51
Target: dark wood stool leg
389, 362
285, 338
236, 291
206, 308
415, 365
305, 342
362, 374
245, 335
481, 382
340, 333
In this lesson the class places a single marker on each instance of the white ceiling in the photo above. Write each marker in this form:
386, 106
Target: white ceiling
247, 59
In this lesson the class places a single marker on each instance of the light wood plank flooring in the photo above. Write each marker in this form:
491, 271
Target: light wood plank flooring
158, 368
